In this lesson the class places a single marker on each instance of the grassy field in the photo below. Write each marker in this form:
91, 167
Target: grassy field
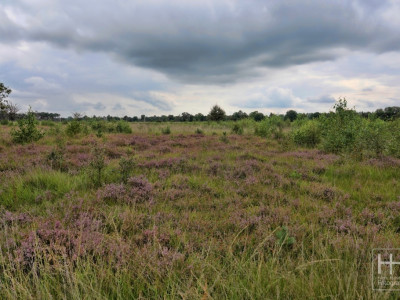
199, 213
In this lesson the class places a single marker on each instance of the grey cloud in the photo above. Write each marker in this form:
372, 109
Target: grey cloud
271, 98
368, 89
209, 41
149, 98
118, 106
99, 106
322, 99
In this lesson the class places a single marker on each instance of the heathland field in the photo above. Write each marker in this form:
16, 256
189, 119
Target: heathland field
228, 210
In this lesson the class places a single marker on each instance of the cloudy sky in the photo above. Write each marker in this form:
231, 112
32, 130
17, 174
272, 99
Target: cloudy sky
123, 57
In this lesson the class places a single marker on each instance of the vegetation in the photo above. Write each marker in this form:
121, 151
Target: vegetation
244, 209
216, 113
27, 130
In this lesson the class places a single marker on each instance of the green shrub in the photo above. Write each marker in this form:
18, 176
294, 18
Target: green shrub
74, 128
237, 129
123, 127
270, 127
224, 138
47, 123
309, 134
126, 166
27, 130
372, 138
56, 158
340, 128
97, 166
4, 122
393, 143
166, 130
199, 131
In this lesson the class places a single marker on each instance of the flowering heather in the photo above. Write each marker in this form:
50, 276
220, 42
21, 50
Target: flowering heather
193, 217
345, 226
137, 190
112, 191
10, 218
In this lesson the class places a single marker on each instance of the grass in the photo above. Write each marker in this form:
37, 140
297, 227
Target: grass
201, 217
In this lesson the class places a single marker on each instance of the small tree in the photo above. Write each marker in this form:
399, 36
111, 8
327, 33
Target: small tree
216, 113
27, 131
97, 165
256, 116
13, 110
291, 115
4, 92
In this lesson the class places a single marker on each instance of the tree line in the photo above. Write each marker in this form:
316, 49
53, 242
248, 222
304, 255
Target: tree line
10, 111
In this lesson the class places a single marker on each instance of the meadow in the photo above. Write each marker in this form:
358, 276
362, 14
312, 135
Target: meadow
199, 210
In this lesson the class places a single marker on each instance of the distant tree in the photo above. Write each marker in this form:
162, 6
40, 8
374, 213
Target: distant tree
186, 117
200, 117
239, 115
291, 115
313, 115
4, 93
216, 113
389, 113
13, 110
142, 118
256, 116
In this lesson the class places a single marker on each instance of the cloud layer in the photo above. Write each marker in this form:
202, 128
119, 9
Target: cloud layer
227, 44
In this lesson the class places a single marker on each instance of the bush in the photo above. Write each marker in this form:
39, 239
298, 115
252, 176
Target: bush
56, 158
47, 123
97, 166
309, 134
4, 122
372, 138
199, 131
340, 128
27, 131
393, 143
166, 130
126, 166
270, 127
123, 127
237, 129
74, 128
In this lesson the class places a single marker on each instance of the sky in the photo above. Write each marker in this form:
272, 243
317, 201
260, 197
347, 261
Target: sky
154, 57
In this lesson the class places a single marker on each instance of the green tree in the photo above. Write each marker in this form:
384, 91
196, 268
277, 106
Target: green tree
4, 93
216, 113
291, 115
257, 116
27, 131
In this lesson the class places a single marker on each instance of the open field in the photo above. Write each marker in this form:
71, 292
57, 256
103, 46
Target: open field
186, 215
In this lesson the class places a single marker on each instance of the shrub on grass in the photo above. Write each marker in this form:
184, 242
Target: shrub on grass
199, 131
340, 128
270, 127
308, 135
74, 128
126, 166
123, 127
166, 130
393, 142
27, 130
97, 166
372, 138
237, 129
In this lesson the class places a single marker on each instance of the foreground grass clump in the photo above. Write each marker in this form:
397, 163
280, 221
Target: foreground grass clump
192, 215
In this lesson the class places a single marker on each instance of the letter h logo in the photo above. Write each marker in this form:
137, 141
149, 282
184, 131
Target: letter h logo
390, 263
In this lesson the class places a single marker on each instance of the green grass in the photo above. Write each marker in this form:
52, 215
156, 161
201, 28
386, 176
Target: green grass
243, 219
